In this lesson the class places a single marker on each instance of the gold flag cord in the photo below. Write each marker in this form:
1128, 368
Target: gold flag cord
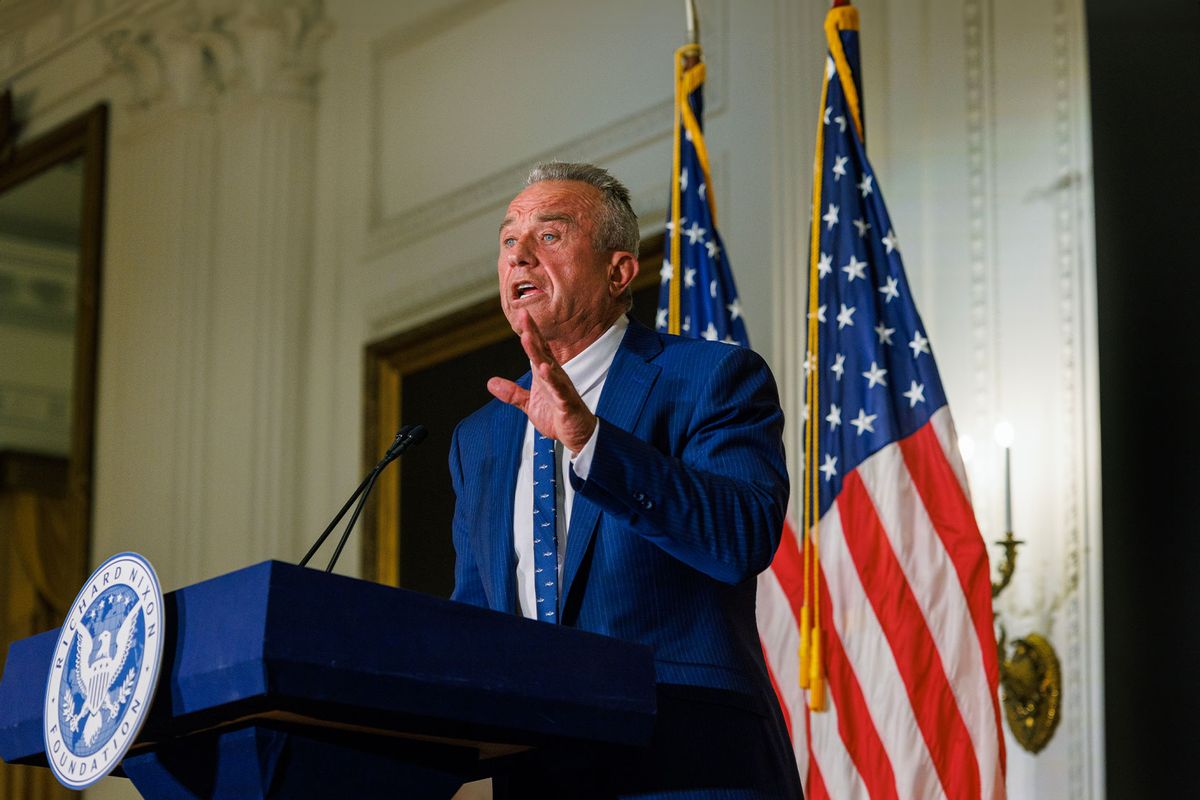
681, 58
812, 668
811, 676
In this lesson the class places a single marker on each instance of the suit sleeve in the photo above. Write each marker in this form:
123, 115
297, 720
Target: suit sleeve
468, 585
718, 504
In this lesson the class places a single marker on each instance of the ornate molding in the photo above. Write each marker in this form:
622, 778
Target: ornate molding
194, 53
23, 44
981, 219
1057, 594
280, 45
1069, 203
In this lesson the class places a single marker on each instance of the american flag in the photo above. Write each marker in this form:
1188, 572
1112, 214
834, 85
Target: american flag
695, 268
896, 577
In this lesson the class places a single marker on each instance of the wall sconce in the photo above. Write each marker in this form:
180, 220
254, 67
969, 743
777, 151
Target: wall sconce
1030, 679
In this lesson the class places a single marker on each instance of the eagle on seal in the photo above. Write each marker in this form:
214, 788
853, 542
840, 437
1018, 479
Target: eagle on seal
99, 667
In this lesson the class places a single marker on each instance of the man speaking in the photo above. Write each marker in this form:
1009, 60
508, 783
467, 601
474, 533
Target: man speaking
632, 484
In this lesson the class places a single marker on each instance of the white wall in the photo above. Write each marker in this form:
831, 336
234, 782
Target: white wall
262, 229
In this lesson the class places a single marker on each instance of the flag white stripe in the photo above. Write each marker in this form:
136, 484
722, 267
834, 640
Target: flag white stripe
871, 658
829, 751
934, 582
780, 634
947, 436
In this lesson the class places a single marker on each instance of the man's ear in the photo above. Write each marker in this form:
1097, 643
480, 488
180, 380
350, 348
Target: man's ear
622, 269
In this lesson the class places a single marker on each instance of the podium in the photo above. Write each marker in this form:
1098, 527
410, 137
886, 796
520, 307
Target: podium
280, 681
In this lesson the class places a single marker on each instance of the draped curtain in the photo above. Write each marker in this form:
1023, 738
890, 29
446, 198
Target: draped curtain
42, 562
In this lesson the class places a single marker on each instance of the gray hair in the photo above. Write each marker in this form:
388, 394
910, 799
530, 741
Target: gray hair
617, 228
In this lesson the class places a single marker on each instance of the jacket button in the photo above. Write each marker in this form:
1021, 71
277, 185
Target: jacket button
639, 496
649, 504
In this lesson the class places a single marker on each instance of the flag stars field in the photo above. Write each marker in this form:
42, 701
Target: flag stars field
884, 333
829, 468
890, 289
890, 242
834, 417
703, 301
854, 269
863, 421
875, 376
915, 394
839, 167
839, 366
846, 316
919, 344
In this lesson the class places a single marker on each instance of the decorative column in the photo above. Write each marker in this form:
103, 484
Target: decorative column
209, 261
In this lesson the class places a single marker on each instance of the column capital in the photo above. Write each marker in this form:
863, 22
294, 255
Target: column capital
193, 53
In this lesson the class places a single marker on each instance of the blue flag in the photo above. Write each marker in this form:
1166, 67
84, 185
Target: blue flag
695, 272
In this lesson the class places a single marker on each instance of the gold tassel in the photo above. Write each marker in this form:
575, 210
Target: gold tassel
816, 692
805, 632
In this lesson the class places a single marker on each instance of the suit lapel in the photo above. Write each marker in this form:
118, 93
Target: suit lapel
507, 438
626, 388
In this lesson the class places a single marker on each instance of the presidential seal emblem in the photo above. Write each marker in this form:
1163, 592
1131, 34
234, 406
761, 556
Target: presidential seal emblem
104, 671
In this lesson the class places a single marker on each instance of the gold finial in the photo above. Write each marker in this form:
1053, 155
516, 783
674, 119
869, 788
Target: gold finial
693, 22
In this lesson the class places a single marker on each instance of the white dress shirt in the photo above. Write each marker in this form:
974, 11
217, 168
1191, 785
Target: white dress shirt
587, 372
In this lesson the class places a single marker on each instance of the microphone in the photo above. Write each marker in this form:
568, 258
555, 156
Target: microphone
405, 438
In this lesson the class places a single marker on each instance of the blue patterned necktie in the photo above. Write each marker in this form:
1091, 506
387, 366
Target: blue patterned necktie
545, 529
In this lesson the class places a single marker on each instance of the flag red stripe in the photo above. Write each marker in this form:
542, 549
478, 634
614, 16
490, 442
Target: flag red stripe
783, 709
854, 718
814, 784
912, 646
952, 517
788, 566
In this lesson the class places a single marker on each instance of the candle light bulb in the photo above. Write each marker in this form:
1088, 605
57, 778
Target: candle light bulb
1004, 434
1004, 437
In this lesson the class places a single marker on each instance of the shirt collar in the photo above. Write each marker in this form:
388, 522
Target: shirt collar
589, 367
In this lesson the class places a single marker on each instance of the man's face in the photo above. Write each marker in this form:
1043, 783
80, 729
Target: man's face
548, 264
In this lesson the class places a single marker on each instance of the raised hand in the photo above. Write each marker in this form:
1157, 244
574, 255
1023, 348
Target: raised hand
551, 402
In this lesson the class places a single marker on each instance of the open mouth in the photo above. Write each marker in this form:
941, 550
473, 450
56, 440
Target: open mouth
525, 289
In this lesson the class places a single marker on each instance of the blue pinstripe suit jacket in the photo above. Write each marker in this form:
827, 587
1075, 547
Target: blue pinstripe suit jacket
682, 508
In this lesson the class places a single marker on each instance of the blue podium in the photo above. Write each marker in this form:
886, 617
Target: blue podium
280, 681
